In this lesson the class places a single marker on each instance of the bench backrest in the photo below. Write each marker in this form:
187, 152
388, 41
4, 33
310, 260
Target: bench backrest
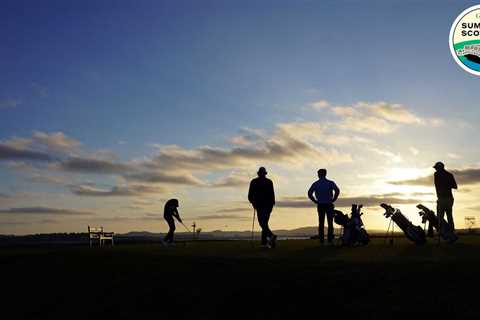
94, 232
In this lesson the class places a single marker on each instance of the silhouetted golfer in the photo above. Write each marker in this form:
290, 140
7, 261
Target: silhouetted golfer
169, 212
444, 183
326, 193
262, 197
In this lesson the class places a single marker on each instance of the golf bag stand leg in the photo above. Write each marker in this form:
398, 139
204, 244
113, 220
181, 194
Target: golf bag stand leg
389, 236
339, 236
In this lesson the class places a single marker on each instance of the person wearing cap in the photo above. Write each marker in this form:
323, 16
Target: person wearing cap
262, 196
170, 211
326, 193
444, 183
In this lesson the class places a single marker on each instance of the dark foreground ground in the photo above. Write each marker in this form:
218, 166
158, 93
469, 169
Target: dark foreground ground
230, 279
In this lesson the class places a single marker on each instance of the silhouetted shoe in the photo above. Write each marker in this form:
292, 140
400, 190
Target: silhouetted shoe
265, 246
273, 241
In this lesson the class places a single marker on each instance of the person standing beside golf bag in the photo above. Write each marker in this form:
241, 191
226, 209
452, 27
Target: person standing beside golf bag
170, 211
444, 183
326, 193
262, 197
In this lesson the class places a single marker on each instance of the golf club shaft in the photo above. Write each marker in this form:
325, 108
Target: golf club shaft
185, 227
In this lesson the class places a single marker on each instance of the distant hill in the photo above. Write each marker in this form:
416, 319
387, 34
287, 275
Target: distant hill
49, 239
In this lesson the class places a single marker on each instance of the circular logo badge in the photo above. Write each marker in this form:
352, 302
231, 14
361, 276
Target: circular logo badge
465, 40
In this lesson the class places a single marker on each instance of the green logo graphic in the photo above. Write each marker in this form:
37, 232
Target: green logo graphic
465, 40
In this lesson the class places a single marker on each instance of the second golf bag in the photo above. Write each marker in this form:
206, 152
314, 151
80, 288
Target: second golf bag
429, 216
413, 233
353, 229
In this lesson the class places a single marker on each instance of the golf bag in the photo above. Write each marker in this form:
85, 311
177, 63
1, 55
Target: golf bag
353, 229
429, 216
414, 233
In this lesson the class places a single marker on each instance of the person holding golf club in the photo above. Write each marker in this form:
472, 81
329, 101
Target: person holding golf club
444, 183
326, 193
262, 197
170, 211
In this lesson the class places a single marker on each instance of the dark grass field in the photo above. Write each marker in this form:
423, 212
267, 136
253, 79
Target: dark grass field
230, 279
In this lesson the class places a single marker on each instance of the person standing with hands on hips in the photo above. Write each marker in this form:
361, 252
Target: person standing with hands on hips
326, 193
444, 183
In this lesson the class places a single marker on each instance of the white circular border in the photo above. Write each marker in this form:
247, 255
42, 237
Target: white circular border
450, 40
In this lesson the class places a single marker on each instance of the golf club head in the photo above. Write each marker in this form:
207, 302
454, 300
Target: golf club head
389, 210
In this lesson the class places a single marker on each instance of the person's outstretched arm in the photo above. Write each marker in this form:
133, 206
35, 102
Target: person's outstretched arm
177, 215
454, 183
336, 192
310, 195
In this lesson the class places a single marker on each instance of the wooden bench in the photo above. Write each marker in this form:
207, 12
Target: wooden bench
97, 233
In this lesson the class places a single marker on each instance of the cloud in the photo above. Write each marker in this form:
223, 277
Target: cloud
392, 112
229, 210
92, 165
376, 117
116, 191
47, 179
248, 136
462, 176
367, 201
55, 142
159, 177
454, 156
319, 105
40, 146
46, 210
11, 153
9, 103
46, 221
223, 217
389, 155
232, 180
289, 144
414, 151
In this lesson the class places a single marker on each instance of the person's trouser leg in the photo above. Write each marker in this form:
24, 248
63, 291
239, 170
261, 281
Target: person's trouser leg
440, 214
329, 212
263, 215
448, 212
444, 207
321, 221
171, 230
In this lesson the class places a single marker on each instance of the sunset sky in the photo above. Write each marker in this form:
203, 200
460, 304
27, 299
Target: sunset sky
110, 108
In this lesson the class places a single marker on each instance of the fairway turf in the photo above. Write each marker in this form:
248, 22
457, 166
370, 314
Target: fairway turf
230, 279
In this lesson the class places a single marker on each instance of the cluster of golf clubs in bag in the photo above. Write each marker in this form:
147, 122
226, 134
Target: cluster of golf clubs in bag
354, 232
416, 233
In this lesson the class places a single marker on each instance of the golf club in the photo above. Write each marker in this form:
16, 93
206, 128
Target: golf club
186, 227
